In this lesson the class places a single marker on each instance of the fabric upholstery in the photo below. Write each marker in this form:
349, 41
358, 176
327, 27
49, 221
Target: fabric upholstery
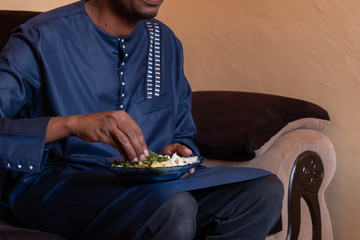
257, 117
280, 159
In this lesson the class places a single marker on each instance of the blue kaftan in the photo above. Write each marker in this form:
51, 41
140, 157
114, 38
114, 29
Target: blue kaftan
60, 63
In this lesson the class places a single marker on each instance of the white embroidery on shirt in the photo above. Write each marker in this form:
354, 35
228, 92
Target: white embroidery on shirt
154, 61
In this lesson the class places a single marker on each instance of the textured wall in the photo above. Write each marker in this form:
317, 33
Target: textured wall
33, 5
306, 49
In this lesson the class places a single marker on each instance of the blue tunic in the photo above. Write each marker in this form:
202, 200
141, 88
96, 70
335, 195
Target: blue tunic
60, 63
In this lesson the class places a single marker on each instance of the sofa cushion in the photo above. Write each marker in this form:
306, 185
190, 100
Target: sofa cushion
238, 125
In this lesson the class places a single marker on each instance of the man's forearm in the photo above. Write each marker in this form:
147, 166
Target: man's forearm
59, 127
115, 128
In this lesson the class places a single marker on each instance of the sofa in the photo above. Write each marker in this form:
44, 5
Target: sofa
278, 134
242, 129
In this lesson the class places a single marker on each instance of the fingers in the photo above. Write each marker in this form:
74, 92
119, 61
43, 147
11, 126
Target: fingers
129, 139
191, 171
176, 148
130, 144
180, 149
115, 128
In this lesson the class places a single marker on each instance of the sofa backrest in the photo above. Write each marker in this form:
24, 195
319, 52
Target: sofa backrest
9, 20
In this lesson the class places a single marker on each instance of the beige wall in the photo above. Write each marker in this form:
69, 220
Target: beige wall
304, 49
33, 5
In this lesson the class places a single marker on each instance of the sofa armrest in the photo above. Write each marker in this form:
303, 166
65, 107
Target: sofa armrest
282, 158
278, 134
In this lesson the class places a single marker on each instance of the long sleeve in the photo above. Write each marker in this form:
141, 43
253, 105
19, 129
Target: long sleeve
22, 144
22, 133
59, 64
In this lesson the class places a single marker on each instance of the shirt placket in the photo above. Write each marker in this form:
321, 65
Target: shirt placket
123, 55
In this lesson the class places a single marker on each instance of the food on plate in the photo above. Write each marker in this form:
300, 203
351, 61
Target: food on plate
155, 160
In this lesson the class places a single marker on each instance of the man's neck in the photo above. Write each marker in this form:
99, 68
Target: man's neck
104, 17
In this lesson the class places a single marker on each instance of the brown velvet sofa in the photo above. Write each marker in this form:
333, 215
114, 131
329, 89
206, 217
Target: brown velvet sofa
279, 134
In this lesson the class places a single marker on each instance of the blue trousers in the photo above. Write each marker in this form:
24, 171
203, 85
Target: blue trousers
92, 205
246, 210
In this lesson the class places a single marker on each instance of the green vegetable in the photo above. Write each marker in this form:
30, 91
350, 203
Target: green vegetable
153, 157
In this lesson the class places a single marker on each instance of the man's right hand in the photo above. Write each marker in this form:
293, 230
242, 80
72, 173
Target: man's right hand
115, 128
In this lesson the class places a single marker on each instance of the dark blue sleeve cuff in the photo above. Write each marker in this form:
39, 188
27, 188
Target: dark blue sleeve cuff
22, 144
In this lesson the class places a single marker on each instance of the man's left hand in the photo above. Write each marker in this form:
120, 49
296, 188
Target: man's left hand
179, 149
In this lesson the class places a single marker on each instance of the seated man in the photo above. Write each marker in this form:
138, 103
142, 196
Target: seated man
103, 78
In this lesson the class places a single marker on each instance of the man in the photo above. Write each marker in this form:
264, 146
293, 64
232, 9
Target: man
97, 79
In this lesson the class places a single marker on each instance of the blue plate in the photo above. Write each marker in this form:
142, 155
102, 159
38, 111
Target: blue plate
144, 175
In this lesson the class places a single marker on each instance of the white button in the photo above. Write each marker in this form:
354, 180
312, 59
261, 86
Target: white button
121, 73
8, 165
19, 166
31, 167
123, 64
121, 106
122, 40
123, 46
126, 55
123, 95
123, 83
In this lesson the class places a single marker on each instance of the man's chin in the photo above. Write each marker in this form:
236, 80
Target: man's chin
144, 16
